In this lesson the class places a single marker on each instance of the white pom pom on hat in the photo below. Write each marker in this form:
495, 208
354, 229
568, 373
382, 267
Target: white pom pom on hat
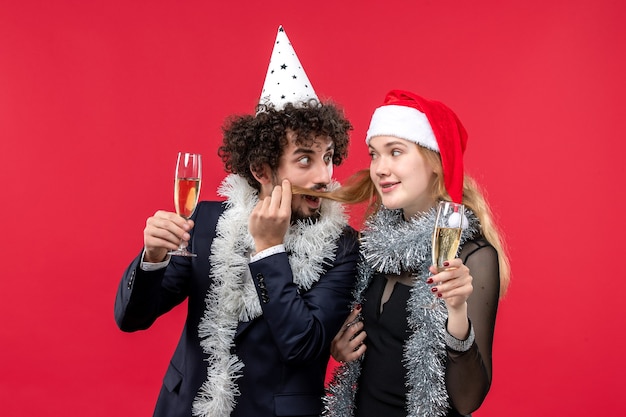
457, 220
428, 123
285, 81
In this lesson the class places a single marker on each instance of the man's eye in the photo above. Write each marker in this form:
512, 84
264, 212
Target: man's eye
305, 160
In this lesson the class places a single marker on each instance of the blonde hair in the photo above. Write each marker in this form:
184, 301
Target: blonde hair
359, 188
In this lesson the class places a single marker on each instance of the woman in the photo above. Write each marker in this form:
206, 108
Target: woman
405, 359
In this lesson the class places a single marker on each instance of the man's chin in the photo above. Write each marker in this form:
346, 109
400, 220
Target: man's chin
305, 215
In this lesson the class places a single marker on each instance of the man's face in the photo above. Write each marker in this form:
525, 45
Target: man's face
309, 167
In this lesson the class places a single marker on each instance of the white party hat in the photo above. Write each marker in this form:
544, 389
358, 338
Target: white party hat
286, 81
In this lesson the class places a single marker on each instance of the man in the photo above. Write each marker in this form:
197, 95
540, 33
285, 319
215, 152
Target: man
272, 280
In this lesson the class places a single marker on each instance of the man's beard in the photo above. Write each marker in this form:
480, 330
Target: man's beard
299, 215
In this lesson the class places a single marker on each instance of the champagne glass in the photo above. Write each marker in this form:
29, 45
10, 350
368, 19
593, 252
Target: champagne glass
446, 235
186, 190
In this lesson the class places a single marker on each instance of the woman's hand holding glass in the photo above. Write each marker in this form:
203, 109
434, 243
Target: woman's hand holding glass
446, 237
453, 283
454, 286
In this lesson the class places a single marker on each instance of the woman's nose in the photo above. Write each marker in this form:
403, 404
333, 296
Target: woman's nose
381, 167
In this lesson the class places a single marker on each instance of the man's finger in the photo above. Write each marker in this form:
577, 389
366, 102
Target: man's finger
286, 195
275, 201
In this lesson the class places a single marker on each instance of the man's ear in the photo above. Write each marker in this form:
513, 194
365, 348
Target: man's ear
263, 175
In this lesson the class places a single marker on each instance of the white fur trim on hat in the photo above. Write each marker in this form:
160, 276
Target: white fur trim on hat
402, 122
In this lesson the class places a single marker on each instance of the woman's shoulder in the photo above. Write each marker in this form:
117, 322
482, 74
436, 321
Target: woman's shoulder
482, 260
478, 244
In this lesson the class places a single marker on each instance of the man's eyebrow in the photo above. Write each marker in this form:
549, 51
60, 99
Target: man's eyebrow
301, 151
308, 151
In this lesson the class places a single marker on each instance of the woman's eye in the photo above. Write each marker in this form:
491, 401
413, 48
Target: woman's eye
396, 152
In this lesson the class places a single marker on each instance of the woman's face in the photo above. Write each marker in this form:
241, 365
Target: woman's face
401, 175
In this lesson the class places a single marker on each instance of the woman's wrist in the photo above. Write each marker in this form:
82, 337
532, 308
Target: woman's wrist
458, 324
458, 344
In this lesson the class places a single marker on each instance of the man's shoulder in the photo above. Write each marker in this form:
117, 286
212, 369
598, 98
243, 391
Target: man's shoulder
208, 210
211, 205
349, 239
350, 232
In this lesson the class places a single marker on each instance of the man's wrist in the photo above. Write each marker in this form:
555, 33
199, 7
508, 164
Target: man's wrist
154, 256
267, 252
147, 265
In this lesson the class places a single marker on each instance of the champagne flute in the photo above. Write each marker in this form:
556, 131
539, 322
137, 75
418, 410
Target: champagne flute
186, 190
446, 235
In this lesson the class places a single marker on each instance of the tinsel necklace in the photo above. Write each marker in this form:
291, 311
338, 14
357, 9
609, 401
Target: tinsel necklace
232, 296
391, 245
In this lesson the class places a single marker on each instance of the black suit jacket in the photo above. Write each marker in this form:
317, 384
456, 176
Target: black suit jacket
285, 351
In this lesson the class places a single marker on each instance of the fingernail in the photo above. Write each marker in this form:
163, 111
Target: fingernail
434, 289
429, 281
446, 263
439, 295
357, 307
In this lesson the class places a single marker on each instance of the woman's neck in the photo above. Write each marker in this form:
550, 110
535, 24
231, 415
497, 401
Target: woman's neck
408, 214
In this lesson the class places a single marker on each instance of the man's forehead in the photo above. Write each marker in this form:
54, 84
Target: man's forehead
313, 141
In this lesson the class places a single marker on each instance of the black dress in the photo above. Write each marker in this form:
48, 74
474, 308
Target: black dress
384, 393
385, 390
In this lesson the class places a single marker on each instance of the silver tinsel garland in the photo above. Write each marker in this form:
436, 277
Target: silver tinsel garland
232, 297
391, 245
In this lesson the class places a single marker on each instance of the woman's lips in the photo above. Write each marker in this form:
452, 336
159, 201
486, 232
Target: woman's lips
387, 187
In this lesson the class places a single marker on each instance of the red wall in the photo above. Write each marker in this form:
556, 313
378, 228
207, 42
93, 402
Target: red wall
96, 98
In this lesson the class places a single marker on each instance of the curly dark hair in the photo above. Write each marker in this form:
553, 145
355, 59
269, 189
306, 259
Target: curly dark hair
250, 142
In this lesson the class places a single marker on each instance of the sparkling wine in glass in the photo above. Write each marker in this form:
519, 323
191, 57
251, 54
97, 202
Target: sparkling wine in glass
186, 190
446, 235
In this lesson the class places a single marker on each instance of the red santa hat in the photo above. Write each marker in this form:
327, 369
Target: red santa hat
428, 123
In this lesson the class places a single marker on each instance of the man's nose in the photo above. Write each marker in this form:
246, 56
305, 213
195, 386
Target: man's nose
323, 173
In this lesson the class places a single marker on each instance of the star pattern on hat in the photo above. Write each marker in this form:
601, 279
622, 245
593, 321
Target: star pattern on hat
285, 81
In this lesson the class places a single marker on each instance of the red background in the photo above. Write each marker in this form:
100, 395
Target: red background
97, 97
